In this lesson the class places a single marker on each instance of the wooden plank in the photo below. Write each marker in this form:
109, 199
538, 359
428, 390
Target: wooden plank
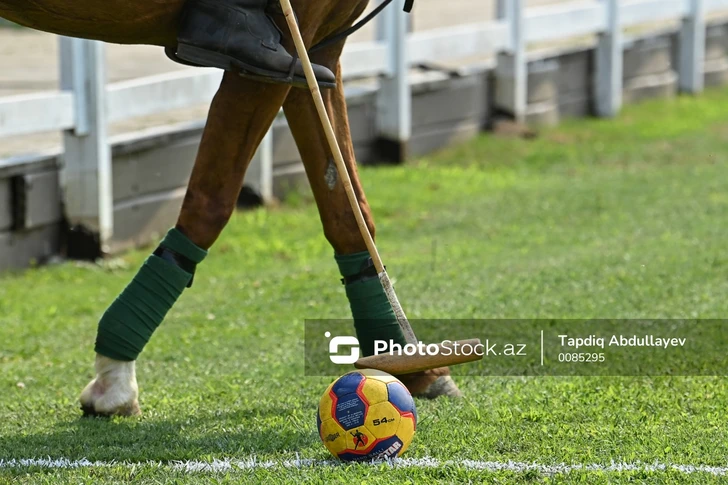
144, 221
364, 59
288, 178
6, 209
543, 79
36, 113
362, 120
25, 248
165, 167
648, 56
450, 43
574, 74
663, 85
434, 137
574, 106
10, 167
365, 153
163, 92
716, 5
637, 12
561, 21
716, 42
456, 101
716, 73
42, 199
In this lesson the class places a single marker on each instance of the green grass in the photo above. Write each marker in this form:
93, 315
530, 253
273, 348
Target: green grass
594, 219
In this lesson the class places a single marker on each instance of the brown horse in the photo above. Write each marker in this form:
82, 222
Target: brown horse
224, 154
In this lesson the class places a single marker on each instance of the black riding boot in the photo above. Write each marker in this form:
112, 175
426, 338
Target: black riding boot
238, 35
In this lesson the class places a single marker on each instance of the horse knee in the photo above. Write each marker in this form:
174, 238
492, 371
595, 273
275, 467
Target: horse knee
344, 234
203, 218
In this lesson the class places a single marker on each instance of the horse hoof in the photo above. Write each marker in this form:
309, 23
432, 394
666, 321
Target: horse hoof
114, 390
431, 384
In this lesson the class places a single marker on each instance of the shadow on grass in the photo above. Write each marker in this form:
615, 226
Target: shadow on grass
145, 439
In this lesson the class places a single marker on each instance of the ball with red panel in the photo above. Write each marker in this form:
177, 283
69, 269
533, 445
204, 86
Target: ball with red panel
366, 415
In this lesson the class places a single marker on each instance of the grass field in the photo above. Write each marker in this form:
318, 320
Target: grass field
608, 219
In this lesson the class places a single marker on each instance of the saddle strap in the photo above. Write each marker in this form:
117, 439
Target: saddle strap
408, 4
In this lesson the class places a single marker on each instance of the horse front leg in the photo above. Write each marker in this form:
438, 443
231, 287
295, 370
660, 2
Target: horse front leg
374, 318
240, 114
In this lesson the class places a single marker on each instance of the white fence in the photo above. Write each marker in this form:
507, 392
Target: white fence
85, 104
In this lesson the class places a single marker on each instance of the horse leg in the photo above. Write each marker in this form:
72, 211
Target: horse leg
240, 114
339, 223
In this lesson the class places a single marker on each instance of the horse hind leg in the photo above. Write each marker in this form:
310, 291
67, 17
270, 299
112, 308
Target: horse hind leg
337, 216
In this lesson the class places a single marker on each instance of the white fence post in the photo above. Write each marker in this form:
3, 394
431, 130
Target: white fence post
259, 176
501, 9
520, 61
512, 91
394, 102
692, 49
266, 166
86, 175
609, 64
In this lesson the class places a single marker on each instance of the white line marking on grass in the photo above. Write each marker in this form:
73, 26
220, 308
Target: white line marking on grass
253, 463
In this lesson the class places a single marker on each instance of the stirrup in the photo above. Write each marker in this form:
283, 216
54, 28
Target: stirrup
261, 75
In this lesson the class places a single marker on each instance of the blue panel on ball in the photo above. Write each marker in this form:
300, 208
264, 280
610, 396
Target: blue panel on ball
401, 398
350, 411
318, 421
384, 449
347, 384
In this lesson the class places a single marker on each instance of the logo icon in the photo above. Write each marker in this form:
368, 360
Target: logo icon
359, 439
345, 341
332, 437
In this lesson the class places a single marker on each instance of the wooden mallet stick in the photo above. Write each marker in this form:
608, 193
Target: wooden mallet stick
398, 365
391, 364
344, 173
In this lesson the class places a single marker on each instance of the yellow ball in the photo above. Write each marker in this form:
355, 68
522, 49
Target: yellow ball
366, 415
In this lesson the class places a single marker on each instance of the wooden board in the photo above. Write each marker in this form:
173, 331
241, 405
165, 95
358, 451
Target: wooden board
23, 248
6, 210
42, 199
144, 221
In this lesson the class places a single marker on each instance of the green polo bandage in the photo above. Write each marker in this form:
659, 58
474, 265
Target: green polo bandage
132, 318
374, 318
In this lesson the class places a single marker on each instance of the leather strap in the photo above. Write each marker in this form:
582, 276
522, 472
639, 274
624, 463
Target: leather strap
178, 260
408, 4
368, 272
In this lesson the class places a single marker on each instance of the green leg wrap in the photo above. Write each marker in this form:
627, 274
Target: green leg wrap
132, 318
374, 318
